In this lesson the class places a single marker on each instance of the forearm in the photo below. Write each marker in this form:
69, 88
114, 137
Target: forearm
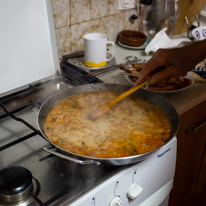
196, 51
176, 61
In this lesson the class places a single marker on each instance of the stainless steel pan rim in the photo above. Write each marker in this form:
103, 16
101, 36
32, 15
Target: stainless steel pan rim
94, 160
159, 101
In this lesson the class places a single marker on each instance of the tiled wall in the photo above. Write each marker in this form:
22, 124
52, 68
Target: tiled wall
74, 18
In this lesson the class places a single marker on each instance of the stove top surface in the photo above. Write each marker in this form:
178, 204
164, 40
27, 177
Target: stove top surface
56, 175
22, 145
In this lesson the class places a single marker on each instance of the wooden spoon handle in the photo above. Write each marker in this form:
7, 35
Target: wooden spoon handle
128, 92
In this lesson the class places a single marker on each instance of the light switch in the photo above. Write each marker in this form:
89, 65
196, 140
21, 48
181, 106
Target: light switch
126, 4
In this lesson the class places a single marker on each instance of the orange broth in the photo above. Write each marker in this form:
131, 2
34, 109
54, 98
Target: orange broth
133, 126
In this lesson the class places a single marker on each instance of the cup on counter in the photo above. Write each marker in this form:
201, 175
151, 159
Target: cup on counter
95, 49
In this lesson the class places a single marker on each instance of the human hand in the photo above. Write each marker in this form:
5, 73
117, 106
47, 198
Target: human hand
175, 61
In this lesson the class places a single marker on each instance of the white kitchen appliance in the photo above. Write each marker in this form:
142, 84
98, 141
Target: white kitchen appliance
28, 43
29, 64
147, 183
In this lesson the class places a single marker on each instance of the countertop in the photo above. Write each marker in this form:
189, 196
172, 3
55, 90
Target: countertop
181, 100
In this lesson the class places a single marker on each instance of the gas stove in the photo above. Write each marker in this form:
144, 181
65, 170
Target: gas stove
28, 174
24, 164
56, 181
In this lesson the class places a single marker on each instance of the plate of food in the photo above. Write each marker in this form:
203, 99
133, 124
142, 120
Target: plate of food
172, 85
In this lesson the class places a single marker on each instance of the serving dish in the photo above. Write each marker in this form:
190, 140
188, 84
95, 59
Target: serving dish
135, 48
189, 76
132, 38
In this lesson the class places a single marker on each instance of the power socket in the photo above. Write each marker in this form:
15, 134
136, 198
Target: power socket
127, 4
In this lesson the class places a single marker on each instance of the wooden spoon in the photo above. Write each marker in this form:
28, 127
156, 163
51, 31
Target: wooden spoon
97, 113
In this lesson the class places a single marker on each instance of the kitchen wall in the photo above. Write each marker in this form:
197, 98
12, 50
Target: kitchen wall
74, 18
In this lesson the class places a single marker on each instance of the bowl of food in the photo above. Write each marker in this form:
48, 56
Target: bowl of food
132, 38
175, 84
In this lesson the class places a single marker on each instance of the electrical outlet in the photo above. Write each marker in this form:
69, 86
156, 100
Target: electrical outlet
127, 4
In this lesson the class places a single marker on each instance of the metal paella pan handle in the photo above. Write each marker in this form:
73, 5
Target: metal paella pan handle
83, 162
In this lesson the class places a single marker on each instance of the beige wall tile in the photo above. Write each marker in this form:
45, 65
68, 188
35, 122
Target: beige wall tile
80, 11
77, 33
64, 42
99, 8
61, 9
105, 25
128, 24
88, 16
99, 25
114, 7
115, 25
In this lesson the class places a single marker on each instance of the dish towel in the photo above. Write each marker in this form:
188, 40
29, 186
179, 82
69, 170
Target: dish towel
197, 77
199, 73
161, 40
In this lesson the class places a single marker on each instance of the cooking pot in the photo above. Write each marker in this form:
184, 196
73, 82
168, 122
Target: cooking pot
154, 98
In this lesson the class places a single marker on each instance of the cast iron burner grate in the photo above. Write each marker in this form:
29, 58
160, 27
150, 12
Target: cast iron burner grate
20, 190
66, 178
11, 114
71, 75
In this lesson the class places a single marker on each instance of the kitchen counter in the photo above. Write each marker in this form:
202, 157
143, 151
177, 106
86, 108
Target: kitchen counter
181, 100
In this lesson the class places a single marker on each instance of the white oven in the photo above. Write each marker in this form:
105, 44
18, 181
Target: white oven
147, 183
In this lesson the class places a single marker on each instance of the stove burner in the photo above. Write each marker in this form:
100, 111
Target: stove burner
15, 184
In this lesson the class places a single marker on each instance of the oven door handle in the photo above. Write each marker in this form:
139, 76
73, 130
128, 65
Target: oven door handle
197, 126
83, 162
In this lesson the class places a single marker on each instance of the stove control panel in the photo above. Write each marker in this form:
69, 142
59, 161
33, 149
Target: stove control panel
116, 201
135, 184
134, 191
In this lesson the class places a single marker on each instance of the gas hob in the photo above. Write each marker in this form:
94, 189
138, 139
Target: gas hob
29, 175
56, 181
21, 145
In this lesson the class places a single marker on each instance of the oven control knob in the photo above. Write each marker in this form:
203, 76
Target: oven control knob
134, 191
116, 201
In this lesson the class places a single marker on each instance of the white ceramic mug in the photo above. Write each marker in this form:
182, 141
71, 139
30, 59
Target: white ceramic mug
95, 49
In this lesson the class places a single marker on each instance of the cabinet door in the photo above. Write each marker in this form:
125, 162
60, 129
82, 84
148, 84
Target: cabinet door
190, 150
200, 193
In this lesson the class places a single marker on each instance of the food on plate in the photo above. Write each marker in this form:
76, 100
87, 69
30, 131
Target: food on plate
133, 69
132, 126
174, 83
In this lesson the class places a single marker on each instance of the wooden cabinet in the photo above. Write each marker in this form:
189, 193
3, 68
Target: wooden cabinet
190, 175
200, 193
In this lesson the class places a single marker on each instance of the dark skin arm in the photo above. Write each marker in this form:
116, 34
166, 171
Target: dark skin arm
176, 61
